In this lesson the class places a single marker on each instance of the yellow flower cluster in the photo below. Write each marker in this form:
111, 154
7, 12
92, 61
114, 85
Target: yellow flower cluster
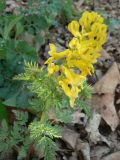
75, 63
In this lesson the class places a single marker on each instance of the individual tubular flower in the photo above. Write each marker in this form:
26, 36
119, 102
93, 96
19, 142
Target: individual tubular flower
74, 43
88, 19
73, 78
55, 55
97, 34
70, 91
52, 68
76, 63
83, 67
73, 27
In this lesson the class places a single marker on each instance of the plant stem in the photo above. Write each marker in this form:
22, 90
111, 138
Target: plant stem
43, 117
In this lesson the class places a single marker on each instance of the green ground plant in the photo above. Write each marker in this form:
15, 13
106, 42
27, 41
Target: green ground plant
57, 88
15, 138
13, 52
44, 130
49, 14
63, 84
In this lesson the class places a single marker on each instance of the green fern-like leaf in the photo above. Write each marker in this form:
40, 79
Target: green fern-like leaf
83, 105
49, 148
86, 91
37, 130
24, 148
63, 115
5, 144
44, 135
42, 86
31, 70
15, 137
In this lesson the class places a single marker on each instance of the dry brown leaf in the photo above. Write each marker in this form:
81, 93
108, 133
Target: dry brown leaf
95, 102
93, 131
74, 156
10, 5
83, 147
99, 151
77, 116
29, 38
113, 156
118, 66
108, 111
105, 55
70, 137
105, 106
109, 81
79, 4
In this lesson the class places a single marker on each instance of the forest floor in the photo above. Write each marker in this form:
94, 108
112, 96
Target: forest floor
99, 137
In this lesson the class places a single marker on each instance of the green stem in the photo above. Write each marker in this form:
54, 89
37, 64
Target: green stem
43, 117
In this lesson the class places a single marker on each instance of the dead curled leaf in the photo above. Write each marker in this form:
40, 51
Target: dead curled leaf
93, 131
79, 118
84, 147
70, 137
103, 99
109, 81
113, 156
108, 111
105, 55
79, 4
105, 106
99, 151
74, 156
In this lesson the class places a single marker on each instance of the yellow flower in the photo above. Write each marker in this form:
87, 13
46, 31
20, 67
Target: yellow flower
89, 34
53, 53
98, 33
70, 91
74, 94
73, 27
64, 84
50, 60
52, 68
83, 67
52, 49
74, 43
88, 19
71, 84
74, 79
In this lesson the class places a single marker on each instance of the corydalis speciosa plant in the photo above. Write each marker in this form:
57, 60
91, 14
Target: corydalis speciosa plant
67, 71
89, 34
